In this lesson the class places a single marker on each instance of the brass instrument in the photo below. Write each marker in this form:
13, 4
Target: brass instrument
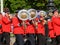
43, 14
32, 16
23, 15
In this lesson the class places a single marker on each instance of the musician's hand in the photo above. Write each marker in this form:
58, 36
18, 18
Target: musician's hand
44, 22
36, 23
10, 16
33, 22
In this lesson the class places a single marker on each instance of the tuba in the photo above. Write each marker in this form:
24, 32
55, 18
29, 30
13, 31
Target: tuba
32, 14
23, 15
42, 13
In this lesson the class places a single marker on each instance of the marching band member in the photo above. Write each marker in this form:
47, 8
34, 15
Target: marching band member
30, 31
18, 27
40, 31
56, 25
51, 29
6, 27
0, 28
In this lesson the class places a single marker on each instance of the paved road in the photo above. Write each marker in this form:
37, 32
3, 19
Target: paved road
12, 40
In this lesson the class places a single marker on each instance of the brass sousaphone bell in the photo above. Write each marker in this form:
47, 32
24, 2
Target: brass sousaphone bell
42, 13
32, 14
23, 15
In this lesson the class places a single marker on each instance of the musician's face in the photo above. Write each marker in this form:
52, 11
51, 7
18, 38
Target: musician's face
33, 14
56, 13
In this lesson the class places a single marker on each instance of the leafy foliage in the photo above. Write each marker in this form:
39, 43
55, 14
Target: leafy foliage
14, 5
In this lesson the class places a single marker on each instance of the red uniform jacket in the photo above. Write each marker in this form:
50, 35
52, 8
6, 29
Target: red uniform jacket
51, 33
56, 25
40, 29
6, 26
17, 28
0, 28
30, 28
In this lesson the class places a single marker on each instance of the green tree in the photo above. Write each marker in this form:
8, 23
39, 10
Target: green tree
25, 4
57, 3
